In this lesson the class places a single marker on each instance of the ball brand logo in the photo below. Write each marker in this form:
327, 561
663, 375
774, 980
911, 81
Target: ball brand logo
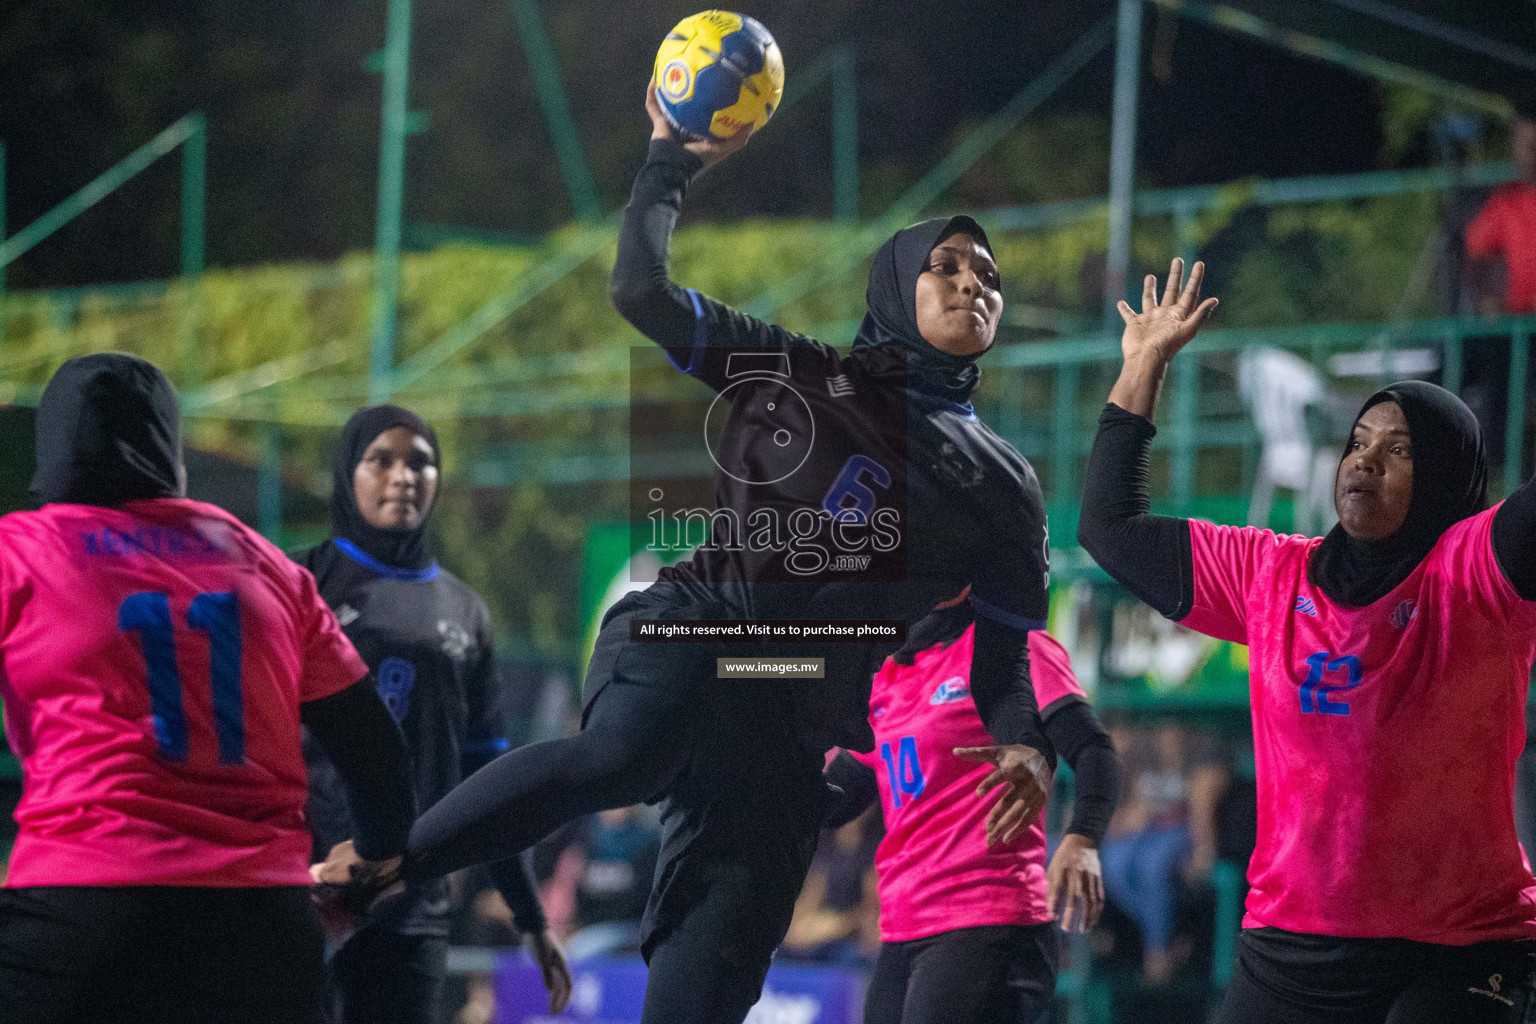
951, 690
1404, 614
676, 80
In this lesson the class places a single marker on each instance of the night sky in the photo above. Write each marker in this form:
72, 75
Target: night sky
294, 116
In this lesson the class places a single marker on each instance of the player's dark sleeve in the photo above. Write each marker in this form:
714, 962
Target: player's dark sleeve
514, 880
485, 734
1149, 555
1514, 540
693, 328
1010, 597
1075, 732
356, 731
857, 788
1001, 688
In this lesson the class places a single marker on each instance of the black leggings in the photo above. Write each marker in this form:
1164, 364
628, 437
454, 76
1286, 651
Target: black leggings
632, 745
160, 955
383, 977
1286, 978
995, 974
642, 702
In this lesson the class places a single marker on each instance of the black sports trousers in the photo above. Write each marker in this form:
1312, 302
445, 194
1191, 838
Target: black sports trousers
382, 976
994, 974
1287, 978
160, 955
742, 793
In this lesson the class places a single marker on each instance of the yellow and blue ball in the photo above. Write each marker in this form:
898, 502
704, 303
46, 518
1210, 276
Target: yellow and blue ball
718, 72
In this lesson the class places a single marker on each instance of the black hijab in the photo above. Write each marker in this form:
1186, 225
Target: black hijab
403, 549
1450, 483
108, 432
890, 320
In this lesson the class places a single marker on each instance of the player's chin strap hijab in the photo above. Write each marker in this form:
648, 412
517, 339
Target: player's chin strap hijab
1450, 483
405, 549
108, 432
890, 321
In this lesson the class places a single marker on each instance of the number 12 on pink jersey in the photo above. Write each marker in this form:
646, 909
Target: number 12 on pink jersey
1314, 693
218, 615
903, 769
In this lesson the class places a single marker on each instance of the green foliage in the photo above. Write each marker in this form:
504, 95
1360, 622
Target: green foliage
259, 334
1335, 262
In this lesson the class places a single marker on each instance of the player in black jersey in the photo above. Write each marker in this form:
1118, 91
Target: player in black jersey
879, 454
426, 636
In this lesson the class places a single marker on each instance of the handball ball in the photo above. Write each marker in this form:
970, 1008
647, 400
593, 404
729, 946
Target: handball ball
717, 73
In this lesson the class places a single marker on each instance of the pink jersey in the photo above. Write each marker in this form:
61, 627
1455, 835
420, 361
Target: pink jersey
152, 661
935, 870
1385, 737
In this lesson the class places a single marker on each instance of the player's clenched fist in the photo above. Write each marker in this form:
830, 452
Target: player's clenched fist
1026, 779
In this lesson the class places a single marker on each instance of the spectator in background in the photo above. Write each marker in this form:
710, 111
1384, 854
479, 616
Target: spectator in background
1165, 828
621, 850
837, 915
1501, 240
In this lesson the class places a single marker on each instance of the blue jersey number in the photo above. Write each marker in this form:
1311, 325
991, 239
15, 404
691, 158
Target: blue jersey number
218, 615
1314, 692
849, 499
903, 769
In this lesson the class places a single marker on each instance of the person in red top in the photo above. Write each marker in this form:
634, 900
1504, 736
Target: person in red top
1389, 667
966, 907
156, 658
1504, 233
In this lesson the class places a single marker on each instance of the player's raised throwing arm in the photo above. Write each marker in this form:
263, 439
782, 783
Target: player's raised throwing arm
693, 328
1149, 555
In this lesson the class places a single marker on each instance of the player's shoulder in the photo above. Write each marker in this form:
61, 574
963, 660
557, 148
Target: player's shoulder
224, 529
462, 591
1509, 194
1471, 533
1261, 541
317, 559
15, 523
1019, 474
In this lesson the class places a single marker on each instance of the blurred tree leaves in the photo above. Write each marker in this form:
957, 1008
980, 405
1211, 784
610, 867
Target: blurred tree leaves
519, 540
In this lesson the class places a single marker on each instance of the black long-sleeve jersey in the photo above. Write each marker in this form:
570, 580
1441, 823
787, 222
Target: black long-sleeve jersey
426, 636
840, 493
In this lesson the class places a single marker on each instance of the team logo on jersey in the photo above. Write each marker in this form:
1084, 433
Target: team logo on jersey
1306, 607
839, 386
397, 678
951, 690
346, 615
1404, 614
455, 639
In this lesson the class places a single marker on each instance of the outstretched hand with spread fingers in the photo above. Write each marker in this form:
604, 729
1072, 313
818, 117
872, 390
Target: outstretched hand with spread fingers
1163, 327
